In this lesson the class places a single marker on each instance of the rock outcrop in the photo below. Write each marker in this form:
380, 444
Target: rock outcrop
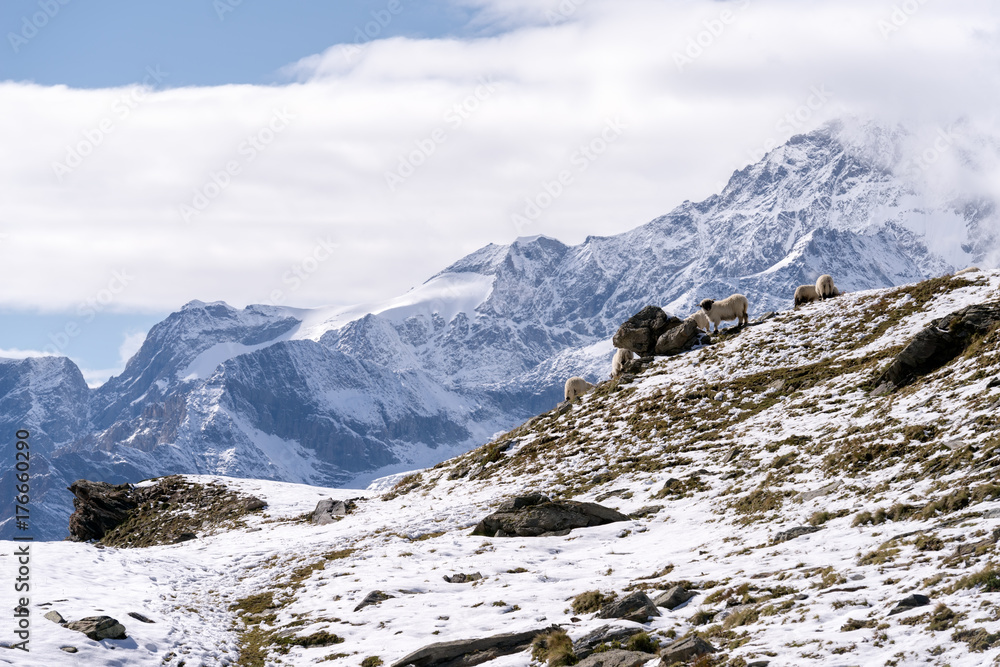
171, 511
939, 343
537, 516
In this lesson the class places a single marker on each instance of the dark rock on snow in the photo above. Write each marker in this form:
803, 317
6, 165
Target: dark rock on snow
792, 533
463, 578
99, 627
326, 510
616, 658
910, 602
634, 607
938, 343
537, 516
373, 598
685, 649
673, 598
469, 652
605, 634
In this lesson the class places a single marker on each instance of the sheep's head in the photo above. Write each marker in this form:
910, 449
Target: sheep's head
706, 305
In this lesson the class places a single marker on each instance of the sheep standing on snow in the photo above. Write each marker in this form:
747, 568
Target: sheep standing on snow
577, 386
805, 294
733, 307
701, 319
825, 288
622, 357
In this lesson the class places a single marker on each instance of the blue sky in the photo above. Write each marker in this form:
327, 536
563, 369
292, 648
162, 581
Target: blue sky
198, 42
326, 153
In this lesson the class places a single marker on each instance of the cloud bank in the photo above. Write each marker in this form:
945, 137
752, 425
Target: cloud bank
380, 163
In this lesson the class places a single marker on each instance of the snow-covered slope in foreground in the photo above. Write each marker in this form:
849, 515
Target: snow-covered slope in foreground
724, 438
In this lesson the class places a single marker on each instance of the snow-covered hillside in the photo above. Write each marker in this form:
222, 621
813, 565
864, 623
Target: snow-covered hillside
716, 453
337, 397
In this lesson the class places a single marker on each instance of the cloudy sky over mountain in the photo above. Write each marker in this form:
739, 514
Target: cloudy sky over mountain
304, 154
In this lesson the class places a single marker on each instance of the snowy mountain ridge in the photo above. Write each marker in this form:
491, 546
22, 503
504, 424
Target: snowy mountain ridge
341, 396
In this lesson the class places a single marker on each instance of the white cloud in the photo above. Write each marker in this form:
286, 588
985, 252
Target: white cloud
131, 343
320, 179
15, 353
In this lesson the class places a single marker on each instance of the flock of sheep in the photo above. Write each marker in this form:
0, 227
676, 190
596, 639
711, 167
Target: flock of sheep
711, 314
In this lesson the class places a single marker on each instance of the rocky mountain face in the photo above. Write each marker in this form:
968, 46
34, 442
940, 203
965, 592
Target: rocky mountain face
339, 397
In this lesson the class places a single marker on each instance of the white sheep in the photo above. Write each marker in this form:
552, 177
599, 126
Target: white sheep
622, 356
701, 319
971, 269
825, 288
805, 294
733, 307
576, 386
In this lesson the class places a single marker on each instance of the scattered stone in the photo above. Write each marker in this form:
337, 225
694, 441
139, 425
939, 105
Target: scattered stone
55, 617
99, 627
139, 617
470, 652
375, 597
801, 596
645, 511
185, 537
633, 607
729, 611
609, 494
992, 514
939, 343
683, 650
253, 503
792, 533
994, 383
857, 576
954, 445
463, 578
537, 516
910, 602
69, 649
806, 496
673, 597
759, 663
777, 385
584, 646
731, 456
616, 658
642, 331
330, 510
